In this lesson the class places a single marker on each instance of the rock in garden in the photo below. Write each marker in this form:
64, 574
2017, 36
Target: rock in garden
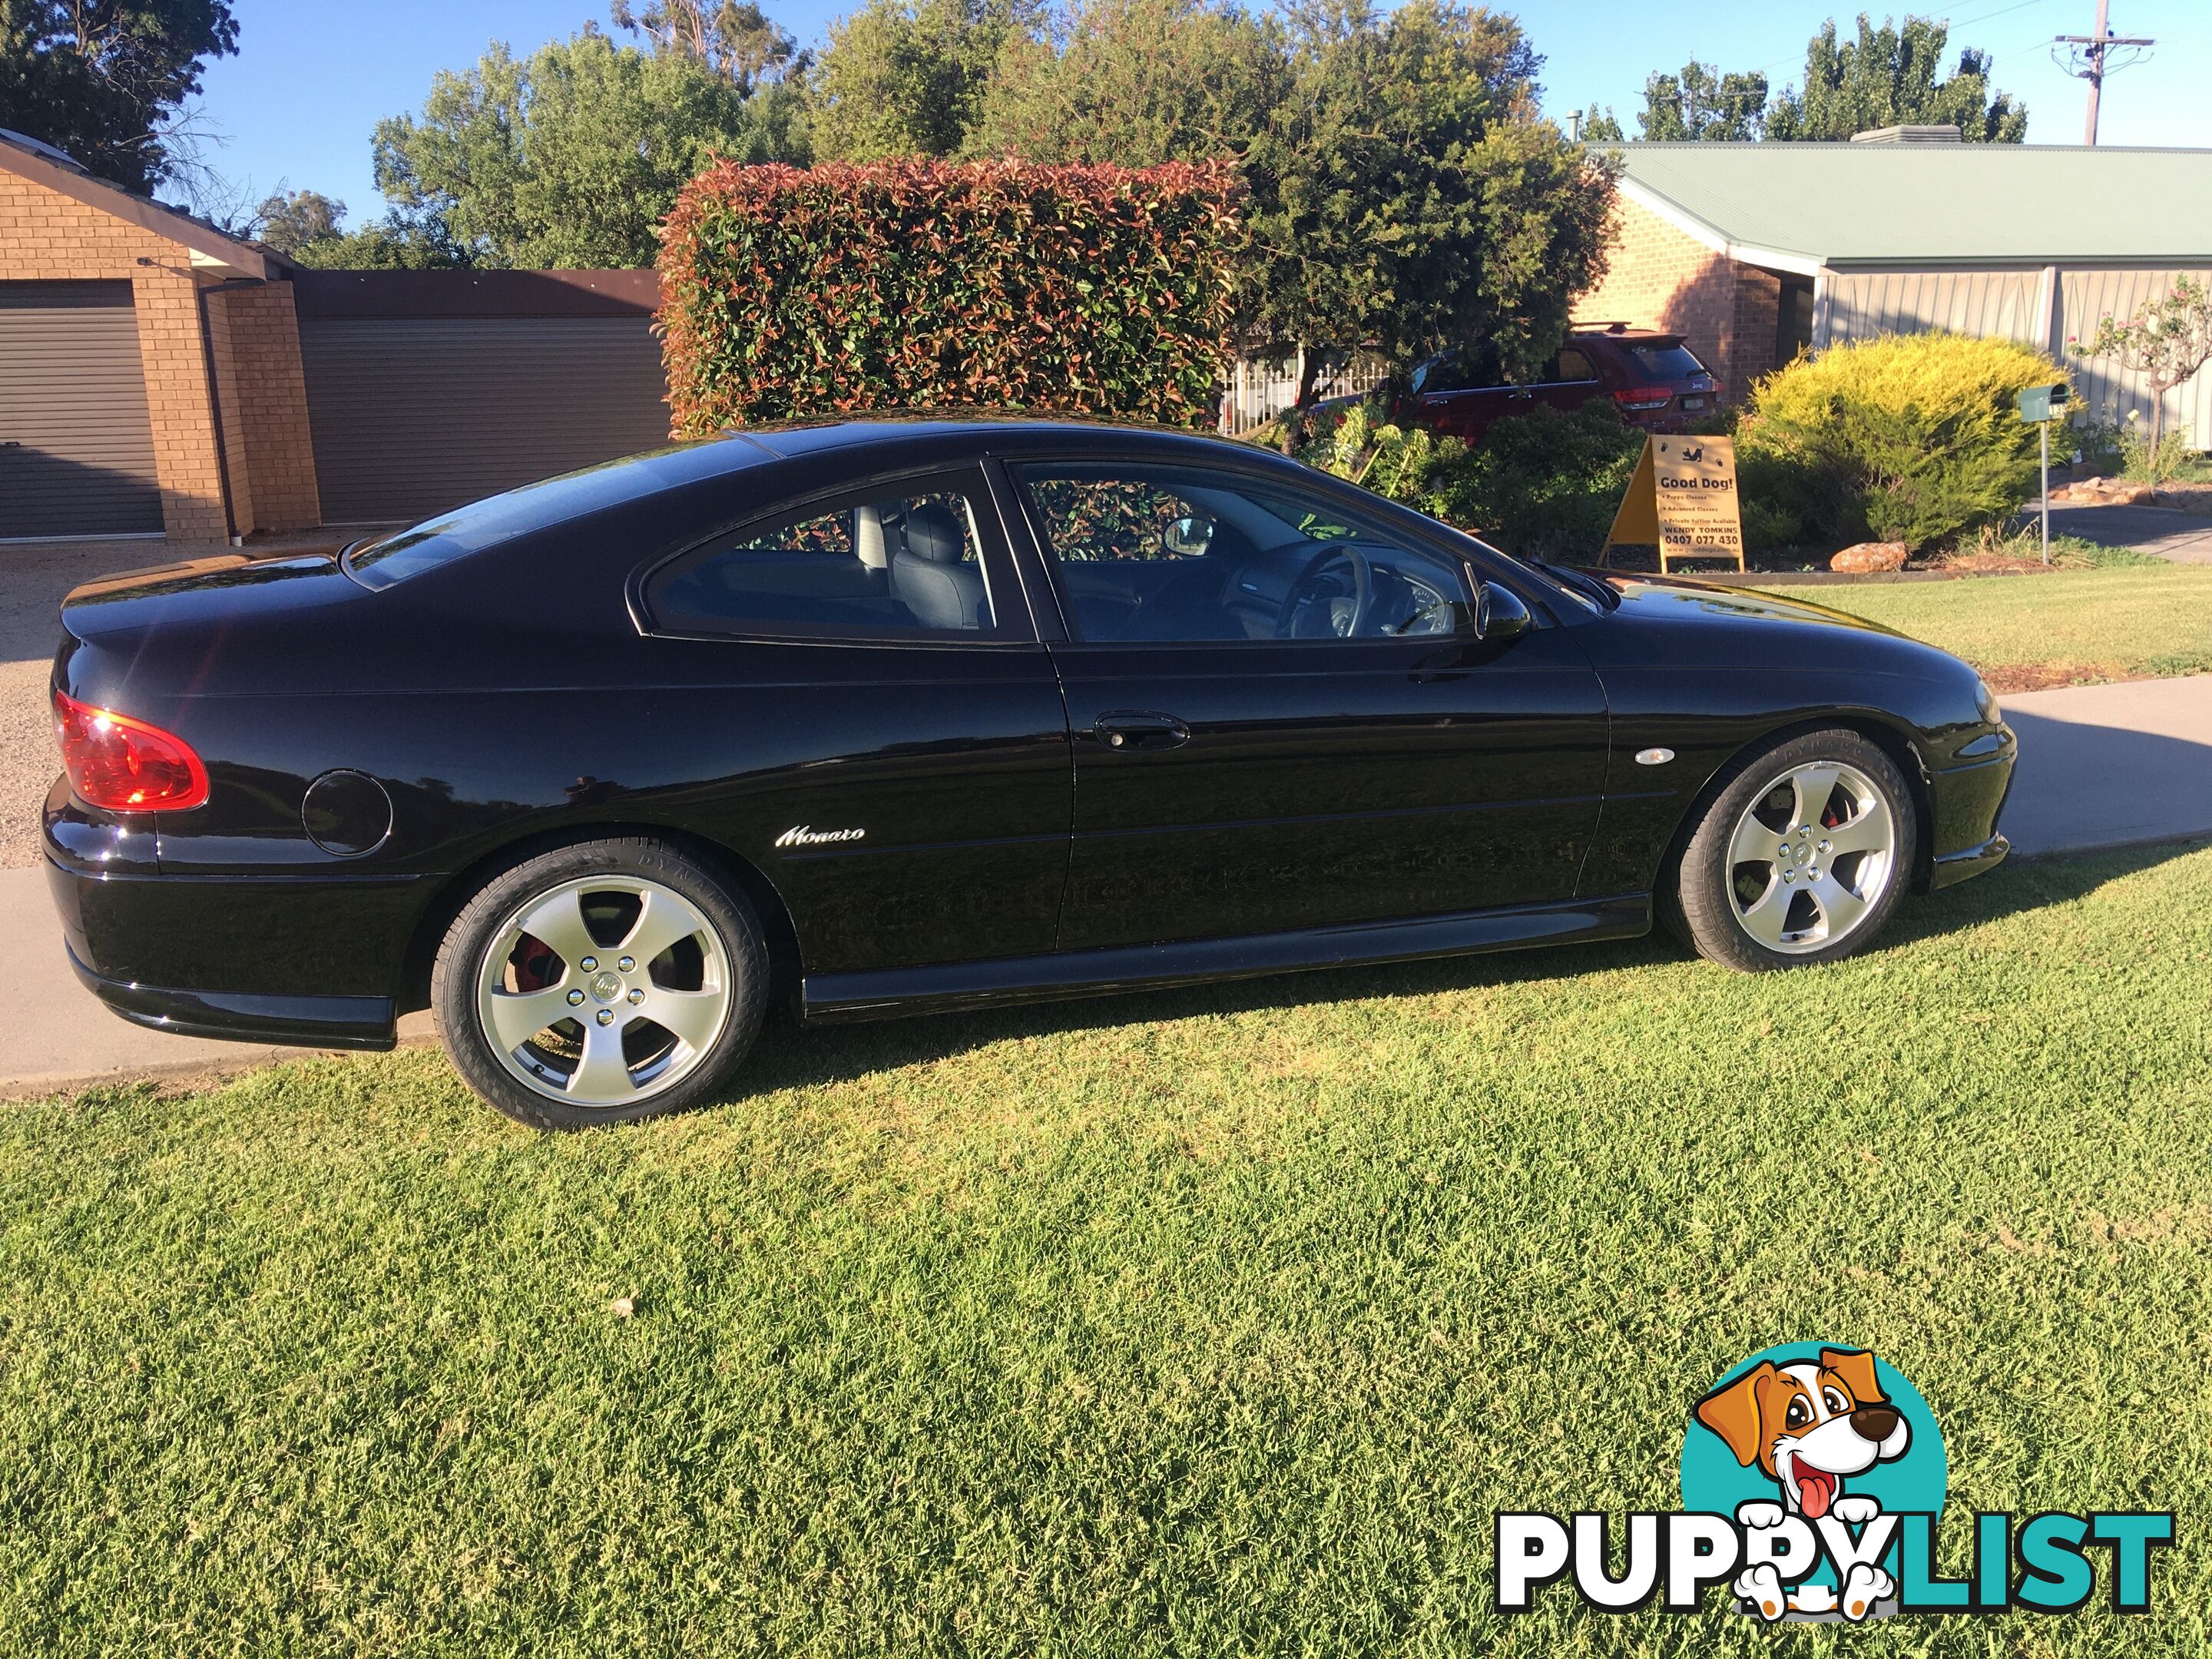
1862, 558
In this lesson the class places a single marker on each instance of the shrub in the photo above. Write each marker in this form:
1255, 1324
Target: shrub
1912, 438
1544, 484
912, 285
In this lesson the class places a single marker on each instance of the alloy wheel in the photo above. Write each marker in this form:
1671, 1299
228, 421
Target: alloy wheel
1811, 856
603, 991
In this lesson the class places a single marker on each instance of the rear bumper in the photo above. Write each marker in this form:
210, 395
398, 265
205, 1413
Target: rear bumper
309, 1022
194, 955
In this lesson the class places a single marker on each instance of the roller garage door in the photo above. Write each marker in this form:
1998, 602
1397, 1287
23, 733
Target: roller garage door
76, 446
426, 389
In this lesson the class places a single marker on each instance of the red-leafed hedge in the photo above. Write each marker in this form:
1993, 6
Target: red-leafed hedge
910, 284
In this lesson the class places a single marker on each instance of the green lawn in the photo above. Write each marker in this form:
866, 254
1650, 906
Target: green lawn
1209, 1324
2096, 625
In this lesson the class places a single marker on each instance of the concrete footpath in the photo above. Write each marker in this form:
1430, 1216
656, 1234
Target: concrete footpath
2101, 766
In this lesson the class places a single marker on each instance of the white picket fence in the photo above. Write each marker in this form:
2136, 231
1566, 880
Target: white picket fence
1259, 389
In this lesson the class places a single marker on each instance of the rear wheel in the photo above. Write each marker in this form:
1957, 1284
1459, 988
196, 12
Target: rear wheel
1802, 858
604, 982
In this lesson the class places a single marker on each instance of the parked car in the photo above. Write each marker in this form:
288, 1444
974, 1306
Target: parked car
1654, 380
889, 716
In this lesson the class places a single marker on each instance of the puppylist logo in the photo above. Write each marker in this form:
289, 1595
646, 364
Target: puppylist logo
1813, 1480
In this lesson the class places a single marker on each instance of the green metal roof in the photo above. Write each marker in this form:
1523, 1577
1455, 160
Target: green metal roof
1935, 203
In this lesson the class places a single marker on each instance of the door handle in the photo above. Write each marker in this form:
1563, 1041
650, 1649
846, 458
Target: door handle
1140, 728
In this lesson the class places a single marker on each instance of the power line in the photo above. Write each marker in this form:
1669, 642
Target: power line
2086, 59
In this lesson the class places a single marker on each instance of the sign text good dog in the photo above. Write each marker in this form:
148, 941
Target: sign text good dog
1683, 501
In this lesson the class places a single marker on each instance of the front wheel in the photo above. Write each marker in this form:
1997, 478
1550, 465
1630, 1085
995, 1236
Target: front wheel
1802, 857
603, 982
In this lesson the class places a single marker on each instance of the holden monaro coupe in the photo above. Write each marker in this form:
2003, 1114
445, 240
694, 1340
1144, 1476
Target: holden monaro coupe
888, 716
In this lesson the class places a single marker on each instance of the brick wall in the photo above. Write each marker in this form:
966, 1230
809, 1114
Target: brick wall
1664, 278
254, 331
45, 236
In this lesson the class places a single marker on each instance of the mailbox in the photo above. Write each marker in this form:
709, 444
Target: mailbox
2042, 403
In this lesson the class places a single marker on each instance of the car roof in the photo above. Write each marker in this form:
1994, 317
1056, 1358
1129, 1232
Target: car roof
897, 440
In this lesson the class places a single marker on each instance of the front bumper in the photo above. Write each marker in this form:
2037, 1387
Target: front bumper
1972, 861
1968, 801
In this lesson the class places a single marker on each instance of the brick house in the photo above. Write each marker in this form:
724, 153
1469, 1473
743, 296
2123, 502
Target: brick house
1756, 251
149, 367
160, 378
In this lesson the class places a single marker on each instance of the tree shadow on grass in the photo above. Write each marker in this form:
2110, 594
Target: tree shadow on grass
790, 1057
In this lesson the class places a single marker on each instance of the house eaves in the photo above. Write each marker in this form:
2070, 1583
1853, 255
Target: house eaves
210, 250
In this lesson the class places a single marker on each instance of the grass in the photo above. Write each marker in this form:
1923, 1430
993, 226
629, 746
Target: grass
2068, 626
1210, 1323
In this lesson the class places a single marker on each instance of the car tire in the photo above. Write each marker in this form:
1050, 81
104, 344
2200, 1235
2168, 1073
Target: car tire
564, 936
1782, 870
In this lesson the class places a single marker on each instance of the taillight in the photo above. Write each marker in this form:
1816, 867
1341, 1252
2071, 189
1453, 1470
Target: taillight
1642, 400
123, 765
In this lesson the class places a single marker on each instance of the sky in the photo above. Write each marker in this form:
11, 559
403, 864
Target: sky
294, 108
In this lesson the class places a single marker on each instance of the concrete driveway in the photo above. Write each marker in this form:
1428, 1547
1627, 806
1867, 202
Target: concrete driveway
2185, 538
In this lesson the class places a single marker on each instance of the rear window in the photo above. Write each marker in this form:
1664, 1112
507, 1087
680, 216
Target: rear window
1657, 363
549, 501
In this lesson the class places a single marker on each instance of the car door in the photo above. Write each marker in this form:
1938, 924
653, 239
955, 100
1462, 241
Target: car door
875, 726
1266, 739
1569, 380
1460, 392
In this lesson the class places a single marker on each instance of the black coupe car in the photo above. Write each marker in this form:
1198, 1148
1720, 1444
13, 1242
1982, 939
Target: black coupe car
895, 715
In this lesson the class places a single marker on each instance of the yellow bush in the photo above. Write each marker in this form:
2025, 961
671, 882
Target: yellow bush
1907, 437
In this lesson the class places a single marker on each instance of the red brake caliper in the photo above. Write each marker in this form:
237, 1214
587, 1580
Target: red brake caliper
535, 966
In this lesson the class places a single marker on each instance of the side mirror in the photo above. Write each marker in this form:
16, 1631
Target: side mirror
1188, 537
1497, 613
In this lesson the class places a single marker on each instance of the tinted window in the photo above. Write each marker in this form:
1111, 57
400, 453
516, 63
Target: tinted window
1657, 363
1572, 365
549, 501
1471, 368
1183, 554
903, 562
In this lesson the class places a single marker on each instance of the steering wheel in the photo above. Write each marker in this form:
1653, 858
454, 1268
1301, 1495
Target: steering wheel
1307, 589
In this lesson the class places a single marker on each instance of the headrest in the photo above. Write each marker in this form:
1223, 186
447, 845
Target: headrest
933, 532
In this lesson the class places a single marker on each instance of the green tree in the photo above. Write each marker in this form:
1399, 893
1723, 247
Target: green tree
1891, 77
733, 38
394, 243
1139, 82
1701, 103
2166, 341
291, 219
1408, 193
1601, 126
908, 77
107, 80
570, 158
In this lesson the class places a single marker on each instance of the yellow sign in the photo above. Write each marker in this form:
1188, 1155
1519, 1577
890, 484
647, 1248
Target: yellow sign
1682, 501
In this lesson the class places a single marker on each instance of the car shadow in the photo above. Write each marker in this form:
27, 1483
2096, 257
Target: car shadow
789, 1057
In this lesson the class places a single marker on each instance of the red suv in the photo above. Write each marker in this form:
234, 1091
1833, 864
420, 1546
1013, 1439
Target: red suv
1653, 379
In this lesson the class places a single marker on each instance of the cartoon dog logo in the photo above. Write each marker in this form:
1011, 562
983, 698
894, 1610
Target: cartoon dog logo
1809, 1427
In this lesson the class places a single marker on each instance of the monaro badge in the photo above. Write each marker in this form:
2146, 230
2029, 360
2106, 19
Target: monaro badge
805, 834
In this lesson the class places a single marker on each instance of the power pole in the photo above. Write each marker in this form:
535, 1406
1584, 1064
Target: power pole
2086, 60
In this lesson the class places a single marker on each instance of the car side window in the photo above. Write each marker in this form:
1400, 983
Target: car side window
1471, 368
1572, 365
1188, 554
906, 561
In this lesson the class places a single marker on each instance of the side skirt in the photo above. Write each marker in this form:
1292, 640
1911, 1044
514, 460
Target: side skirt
829, 997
